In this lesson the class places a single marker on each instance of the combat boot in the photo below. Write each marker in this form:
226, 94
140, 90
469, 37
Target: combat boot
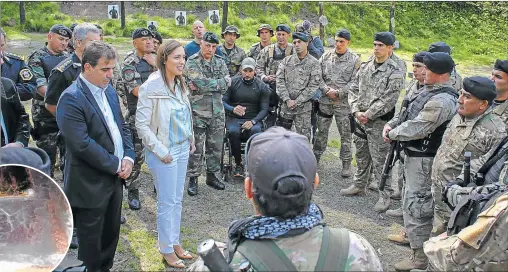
192, 189
352, 190
373, 186
346, 169
400, 238
133, 197
396, 196
213, 181
394, 213
318, 157
417, 260
383, 203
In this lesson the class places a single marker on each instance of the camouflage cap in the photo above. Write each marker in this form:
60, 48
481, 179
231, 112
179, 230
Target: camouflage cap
231, 29
141, 32
249, 63
265, 26
61, 30
279, 153
210, 37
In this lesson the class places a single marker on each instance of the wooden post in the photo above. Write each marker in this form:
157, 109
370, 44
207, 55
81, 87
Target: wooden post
392, 18
122, 15
224, 15
22, 18
321, 26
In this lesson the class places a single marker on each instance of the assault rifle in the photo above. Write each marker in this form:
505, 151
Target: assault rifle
394, 152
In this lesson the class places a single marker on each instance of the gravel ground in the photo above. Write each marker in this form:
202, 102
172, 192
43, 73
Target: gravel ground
208, 215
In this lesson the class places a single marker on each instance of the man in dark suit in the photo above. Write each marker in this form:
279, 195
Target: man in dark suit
14, 121
99, 158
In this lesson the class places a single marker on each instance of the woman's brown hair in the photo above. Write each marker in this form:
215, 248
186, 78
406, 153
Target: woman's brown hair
162, 55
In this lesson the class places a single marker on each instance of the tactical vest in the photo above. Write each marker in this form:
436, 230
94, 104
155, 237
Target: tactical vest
427, 147
144, 70
48, 62
265, 255
274, 58
468, 209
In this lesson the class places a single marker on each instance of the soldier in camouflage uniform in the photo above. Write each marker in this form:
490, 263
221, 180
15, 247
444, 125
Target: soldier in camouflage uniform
475, 129
500, 78
208, 77
338, 68
41, 62
372, 98
298, 78
265, 32
14, 68
482, 244
233, 55
267, 63
455, 78
420, 133
136, 68
290, 223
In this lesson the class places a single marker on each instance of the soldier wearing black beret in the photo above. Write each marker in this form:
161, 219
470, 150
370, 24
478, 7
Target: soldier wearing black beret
500, 78
455, 78
157, 41
439, 63
283, 27
300, 36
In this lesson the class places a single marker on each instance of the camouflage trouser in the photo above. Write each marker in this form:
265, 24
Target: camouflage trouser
442, 212
49, 143
400, 176
417, 204
371, 154
301, 121
209, 134
132, 181
323, 126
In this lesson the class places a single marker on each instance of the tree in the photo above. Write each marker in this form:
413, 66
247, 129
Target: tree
224, 15
22, 18
122, 15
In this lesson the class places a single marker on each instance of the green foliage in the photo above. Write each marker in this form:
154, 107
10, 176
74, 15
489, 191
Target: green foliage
475, 30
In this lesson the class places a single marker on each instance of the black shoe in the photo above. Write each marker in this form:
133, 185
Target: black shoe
192, 190
74, 241
122, 220
214, 182
134, 204
238, 172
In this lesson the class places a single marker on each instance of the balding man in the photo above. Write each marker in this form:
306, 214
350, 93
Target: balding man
198, 30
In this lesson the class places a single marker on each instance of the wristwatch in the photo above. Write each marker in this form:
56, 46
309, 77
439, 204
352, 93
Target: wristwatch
253, 122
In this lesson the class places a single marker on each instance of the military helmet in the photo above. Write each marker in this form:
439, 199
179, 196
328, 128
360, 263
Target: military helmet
265, 26
232, 29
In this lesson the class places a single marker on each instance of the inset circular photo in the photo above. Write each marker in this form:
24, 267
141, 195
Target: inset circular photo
35, 220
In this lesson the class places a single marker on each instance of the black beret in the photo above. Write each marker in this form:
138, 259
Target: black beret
141, 32
72, 26
481, 87
61, 30
211, 38
157, 36
301, 36
439, 62
501, 65
343, 33
418, 57
283, 27
385, 37
440, 47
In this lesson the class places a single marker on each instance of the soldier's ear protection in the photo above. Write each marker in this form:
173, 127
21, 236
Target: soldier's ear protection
246, 152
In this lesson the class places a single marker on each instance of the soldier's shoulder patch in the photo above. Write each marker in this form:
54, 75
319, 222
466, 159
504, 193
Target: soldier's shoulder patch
128, 73
15, 56
129, 59
64, 65
26, 74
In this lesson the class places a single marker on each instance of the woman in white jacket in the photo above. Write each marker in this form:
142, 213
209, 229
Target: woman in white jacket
164, 123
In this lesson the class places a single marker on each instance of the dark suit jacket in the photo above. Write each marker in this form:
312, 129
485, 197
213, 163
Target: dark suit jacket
16, 119
90, 168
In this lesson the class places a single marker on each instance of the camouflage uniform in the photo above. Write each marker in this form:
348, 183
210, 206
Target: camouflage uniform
233, 59
402, 65
254, 50
482, 246
431, 119
116, 81
207, 111
337, 73
45, 129
477, 136
267, 63
303, 251
501, 110
135, 71
455, 80
297, 80
375, 92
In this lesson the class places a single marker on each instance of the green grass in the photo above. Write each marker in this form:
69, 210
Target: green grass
475, 30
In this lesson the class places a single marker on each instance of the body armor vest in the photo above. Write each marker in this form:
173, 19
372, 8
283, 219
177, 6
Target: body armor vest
144, 70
